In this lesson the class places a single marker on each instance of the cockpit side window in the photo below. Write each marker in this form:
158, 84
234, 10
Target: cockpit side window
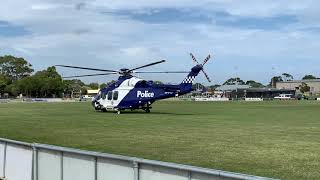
115, 95
103, 95
110, 95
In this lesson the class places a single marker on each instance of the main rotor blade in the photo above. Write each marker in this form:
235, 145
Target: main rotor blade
194, 58
87, 75
93, 69
206, 60
205, 74
154, 72
151, 64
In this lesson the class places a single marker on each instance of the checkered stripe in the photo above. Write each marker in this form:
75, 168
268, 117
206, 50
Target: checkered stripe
189, 80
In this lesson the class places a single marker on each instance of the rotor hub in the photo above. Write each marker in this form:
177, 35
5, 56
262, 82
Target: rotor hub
125, 72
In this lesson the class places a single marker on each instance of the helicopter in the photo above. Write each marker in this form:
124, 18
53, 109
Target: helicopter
132, 93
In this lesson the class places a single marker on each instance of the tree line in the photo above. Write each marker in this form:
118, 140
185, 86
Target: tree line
18, 77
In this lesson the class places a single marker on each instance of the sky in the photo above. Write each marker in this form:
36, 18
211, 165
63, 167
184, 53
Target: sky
251, 39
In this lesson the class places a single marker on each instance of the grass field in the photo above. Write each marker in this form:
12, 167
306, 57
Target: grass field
273, 139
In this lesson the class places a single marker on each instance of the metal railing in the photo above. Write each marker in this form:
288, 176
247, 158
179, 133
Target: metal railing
65, 163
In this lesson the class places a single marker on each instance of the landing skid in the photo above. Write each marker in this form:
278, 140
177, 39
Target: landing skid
119, 111
147, 109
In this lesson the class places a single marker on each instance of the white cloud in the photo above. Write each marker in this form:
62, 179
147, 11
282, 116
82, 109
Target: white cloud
44, 6
76, 32
261, 8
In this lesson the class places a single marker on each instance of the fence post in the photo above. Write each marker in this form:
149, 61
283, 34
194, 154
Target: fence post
96, 168
61, 165
34, 162
136, 170
189, 175
4, 159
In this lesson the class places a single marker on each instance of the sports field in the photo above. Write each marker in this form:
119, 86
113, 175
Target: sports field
273, 139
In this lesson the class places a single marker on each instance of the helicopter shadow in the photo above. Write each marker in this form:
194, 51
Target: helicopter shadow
151, 113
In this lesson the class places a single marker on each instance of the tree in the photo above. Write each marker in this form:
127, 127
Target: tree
16, 78
234, 81
4, 81
304, 88
28, 86
15, 68
287, 77
84, 89
46, 83
103, 85
72, 86
111, 82
254, 84
49, 81
12, 89
309, 77
94, 85
274, 81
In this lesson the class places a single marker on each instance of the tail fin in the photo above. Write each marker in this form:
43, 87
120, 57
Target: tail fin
186, 85
192, 75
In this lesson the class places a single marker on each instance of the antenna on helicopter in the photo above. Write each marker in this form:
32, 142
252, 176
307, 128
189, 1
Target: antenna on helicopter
204, 62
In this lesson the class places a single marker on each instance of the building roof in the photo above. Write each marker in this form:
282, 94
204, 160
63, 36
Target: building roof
266, 90
231, 87
301, 81
94, 91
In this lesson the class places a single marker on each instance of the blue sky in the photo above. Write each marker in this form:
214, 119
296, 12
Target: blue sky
9, 30
249, 38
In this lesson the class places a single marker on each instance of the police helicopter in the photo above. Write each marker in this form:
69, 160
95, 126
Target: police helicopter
133, 93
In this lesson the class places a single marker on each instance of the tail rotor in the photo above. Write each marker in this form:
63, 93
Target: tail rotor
204, 62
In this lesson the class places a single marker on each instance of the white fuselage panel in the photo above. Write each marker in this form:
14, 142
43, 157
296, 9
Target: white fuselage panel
123, 90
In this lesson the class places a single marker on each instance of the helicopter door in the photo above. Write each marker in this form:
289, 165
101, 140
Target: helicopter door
112, 98
115, 98
109, 98
108, 102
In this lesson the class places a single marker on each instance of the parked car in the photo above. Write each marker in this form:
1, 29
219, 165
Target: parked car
285, 97
301, 97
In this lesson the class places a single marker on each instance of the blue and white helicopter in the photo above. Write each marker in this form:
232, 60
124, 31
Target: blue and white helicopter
131, 92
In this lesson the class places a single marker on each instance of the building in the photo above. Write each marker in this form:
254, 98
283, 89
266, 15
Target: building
314, 85
245, 91
264, 93
227, 90
231, 87
91, 93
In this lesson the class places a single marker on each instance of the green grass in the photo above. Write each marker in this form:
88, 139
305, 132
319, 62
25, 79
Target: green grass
273, 139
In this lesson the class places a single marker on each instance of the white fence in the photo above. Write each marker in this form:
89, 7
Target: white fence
253, 99
24, 161
211, 99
